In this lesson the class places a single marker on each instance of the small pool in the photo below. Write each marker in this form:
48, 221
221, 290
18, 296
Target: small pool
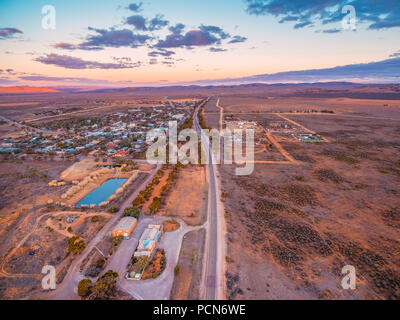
102, 193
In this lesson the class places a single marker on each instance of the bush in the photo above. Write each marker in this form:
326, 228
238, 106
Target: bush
117, 240
155, 205
177, 269
132, 212
105, 286
84, 287
326, 174
113, 209
100, 263
138, 201
76, 245
95, 219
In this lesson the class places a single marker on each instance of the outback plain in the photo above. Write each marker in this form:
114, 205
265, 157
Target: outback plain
324, 192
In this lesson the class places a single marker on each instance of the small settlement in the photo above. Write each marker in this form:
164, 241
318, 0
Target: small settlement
114, 135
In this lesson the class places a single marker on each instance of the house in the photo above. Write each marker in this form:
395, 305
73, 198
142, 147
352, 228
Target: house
145, 248
124, 227
122, 153
148, 240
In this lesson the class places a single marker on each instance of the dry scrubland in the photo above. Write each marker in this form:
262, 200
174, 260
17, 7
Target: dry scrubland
291, 229
188, 276
24, 193
188, 198
32, 231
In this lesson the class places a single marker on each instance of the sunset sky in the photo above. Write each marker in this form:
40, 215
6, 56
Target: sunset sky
154, 42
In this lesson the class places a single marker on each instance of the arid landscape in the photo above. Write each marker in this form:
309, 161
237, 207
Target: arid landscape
207, 157
324, 193
337, 205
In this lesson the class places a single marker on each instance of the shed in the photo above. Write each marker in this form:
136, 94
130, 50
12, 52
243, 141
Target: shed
124, 227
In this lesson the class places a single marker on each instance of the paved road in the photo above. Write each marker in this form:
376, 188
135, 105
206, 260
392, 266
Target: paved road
67, 289
212, 288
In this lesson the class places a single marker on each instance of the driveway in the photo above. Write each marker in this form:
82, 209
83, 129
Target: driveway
151, 289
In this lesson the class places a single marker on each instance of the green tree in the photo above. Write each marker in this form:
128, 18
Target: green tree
76, 245
117, 240
132, 212
113, 209
155, 205
84, 287
105, 286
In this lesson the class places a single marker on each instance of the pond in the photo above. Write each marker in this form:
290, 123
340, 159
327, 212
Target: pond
102, 193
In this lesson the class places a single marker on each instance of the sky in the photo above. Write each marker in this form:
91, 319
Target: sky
160, 42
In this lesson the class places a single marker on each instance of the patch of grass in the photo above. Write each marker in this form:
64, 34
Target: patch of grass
340, 156
329, 175
392, 214
267, 207
300, 195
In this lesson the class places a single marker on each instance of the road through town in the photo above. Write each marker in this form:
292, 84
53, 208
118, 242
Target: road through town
213, 270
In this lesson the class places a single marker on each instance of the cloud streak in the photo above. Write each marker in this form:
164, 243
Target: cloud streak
9, 33
69, 62
386, 70
376, 14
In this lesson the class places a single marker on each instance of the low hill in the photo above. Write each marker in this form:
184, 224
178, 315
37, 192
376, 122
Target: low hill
20, 89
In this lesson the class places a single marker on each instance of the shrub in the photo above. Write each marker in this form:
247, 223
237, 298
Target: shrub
113, 209
132, 212
95, 219
105, 286
155, 205
117, 240
326, 174
100, 263
84, 287
76, 245
177, 269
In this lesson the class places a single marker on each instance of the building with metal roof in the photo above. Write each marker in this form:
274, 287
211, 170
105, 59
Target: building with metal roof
124, 227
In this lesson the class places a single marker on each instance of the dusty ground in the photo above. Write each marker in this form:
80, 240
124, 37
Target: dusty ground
291, 229
170, 225
34, 233
78, 170
187, 198
187, 282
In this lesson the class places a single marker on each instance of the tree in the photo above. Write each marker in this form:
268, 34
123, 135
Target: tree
132, 212
117, 240
84, 287
76, 245
155, 205
113, 209
105, 286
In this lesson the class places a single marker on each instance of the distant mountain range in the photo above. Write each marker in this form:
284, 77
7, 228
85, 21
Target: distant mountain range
312, 90
22, 89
